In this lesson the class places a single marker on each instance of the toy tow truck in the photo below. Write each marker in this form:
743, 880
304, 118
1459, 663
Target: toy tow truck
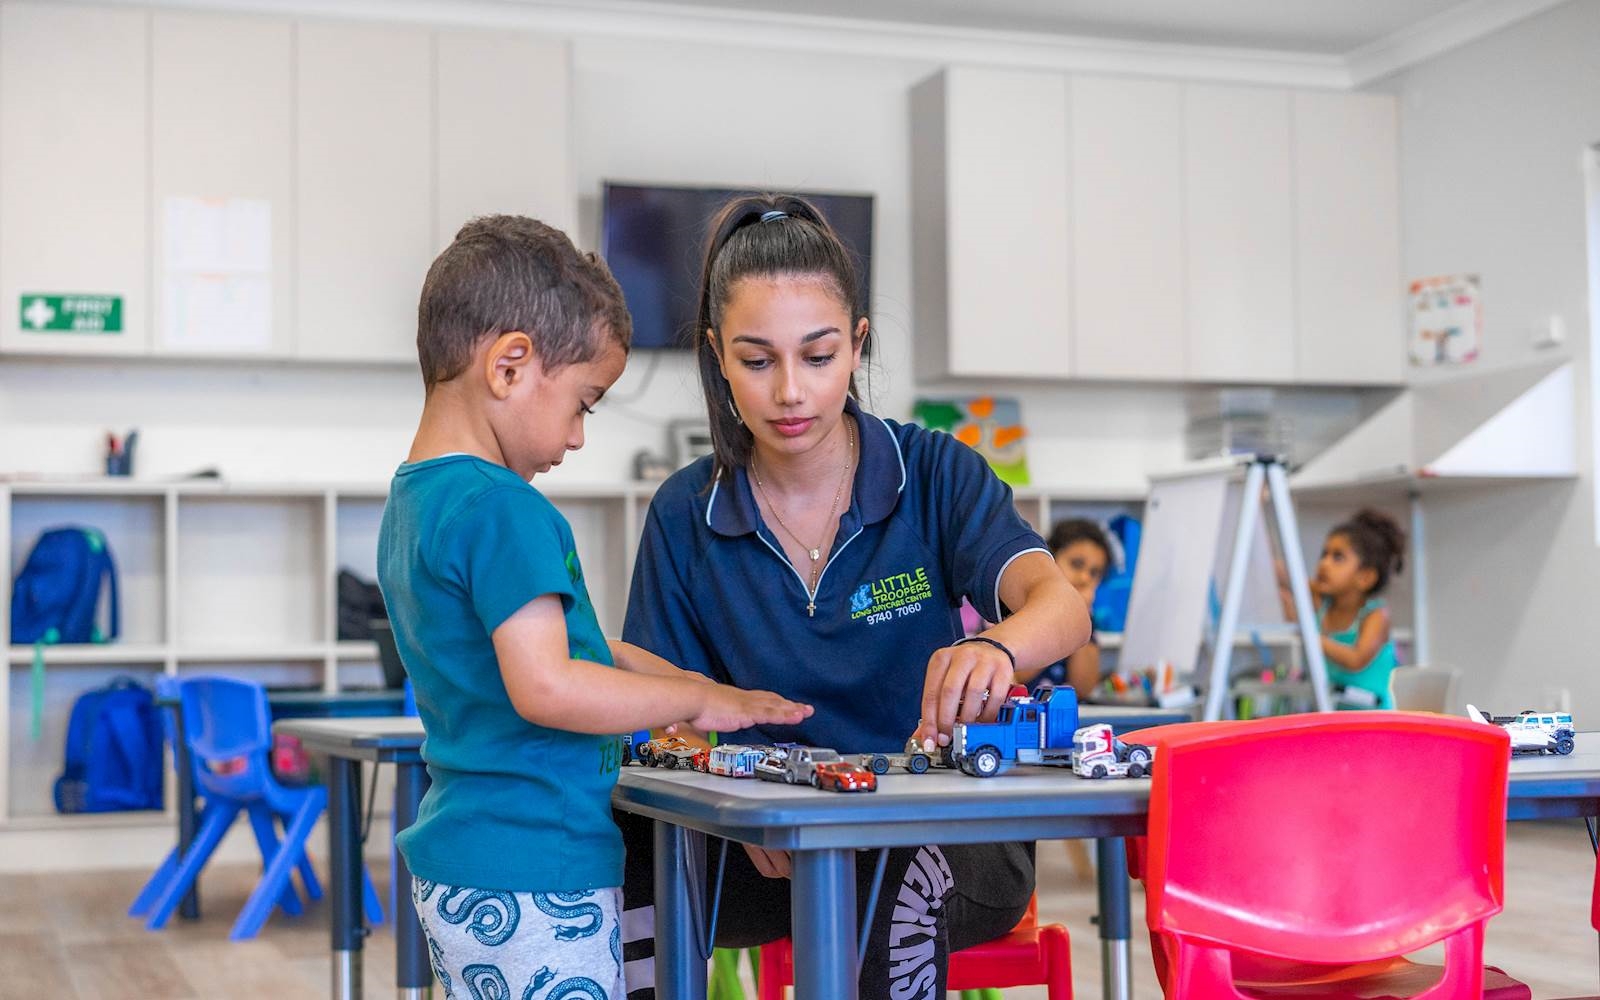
1533, 732
1027, 731
913, 760
1097, 753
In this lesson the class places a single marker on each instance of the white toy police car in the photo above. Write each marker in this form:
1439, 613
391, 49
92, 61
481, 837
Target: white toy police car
1533, 732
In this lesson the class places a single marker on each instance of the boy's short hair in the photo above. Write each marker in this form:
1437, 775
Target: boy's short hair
1078, 529
510, 272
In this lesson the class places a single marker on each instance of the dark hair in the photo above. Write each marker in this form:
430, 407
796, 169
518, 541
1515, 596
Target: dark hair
1378, 541
510, 272
741, 245
1078, 529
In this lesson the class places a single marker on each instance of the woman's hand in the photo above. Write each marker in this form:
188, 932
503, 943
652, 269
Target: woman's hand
966, 682
772, 864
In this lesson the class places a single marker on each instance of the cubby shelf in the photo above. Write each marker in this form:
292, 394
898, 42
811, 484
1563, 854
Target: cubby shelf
239, 577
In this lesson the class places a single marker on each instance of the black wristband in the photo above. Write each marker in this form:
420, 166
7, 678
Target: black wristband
996, 643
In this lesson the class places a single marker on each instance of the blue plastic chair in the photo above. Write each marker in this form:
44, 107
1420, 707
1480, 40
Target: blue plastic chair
168, 689
228, 734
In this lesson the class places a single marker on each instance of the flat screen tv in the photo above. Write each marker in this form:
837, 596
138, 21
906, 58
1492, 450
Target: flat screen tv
654, 240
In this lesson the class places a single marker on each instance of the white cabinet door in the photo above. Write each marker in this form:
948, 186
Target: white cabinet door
363, 191
222, 138
74, 178
1347, 239
1008, 223
504, 111
1127, 224
1239, 234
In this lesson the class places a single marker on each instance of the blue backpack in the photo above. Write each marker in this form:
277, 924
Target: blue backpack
57, 597
113, 753
59, 588
1110, 609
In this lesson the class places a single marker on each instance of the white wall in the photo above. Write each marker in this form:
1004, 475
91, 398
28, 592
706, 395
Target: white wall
1491, 138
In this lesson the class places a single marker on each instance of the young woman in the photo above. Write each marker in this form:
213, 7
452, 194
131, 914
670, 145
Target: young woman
823, 552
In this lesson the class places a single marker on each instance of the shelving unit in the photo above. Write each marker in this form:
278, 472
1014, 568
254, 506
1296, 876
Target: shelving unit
239, 578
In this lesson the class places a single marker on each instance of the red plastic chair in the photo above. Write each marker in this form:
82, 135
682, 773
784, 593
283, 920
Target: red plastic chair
1594, 914
1305, 856
1030, 955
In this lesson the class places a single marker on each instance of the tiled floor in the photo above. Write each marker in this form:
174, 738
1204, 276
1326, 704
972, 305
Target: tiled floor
67, 937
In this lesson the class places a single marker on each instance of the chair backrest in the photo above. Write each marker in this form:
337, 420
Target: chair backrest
1426, 689
1333, 838
225, 719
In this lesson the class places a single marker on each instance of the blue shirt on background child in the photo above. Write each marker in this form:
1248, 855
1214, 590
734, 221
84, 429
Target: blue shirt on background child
516, 806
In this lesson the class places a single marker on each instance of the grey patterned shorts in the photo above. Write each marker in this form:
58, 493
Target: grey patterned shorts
486, 944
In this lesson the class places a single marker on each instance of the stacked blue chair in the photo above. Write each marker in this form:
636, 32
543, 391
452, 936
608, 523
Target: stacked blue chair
227, 730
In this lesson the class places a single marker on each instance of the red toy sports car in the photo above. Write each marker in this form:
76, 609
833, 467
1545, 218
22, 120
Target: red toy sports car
843, 776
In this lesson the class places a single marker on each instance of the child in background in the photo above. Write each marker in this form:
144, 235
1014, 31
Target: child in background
1357, 561
519, 335
1081, 549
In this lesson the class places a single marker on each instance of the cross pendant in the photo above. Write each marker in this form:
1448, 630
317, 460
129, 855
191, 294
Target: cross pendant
811, 609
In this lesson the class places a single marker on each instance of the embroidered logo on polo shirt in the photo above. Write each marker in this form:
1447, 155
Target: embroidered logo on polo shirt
897, 594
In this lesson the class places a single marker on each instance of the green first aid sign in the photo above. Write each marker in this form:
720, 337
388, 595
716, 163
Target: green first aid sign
72, 313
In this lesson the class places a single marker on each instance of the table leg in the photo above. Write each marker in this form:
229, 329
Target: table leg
680, 969
1116, 946
412, 972
824, 924
344, 858
183, 763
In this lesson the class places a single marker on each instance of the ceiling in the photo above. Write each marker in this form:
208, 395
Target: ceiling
1329, 27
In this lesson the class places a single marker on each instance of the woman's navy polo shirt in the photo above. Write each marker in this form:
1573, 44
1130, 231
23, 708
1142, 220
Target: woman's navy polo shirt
928, 525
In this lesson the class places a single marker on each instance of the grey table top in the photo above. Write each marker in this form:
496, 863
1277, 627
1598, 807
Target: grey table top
377, 738
1025, 803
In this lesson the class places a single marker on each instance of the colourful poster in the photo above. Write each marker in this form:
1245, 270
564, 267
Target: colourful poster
990, 425
1446, 320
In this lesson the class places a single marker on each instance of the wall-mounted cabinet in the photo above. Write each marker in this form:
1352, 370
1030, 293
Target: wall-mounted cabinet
1239, 231
1347, 239
363, 188
1127, 224
991, 257
74, 175
1190, 232
504, 114
255, 186
221, 144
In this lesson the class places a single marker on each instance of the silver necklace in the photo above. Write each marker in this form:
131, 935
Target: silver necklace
812, 551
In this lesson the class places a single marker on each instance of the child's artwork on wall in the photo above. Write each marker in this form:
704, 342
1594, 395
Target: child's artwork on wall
1446, 320
990, 425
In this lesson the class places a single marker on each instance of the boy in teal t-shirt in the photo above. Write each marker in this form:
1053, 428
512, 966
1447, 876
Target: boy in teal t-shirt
519, 335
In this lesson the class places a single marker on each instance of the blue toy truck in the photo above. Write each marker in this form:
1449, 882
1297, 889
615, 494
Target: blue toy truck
1027, 731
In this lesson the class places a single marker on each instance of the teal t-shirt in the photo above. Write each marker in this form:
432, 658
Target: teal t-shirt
1375, 679
513, 806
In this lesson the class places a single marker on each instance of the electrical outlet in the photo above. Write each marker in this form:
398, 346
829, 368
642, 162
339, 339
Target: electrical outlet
1554, 333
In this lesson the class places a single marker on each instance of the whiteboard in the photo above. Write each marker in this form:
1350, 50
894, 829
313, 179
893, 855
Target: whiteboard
1184, 552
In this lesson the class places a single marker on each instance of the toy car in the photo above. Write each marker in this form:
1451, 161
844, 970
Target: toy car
732, 760
843, 776
802, 762
668, 752
1097, 753
913, 760
1533, 732
701, 760
773, 765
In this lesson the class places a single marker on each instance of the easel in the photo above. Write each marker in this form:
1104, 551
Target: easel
1267, 469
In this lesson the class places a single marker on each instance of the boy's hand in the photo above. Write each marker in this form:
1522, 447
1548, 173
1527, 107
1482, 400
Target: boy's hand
726, 709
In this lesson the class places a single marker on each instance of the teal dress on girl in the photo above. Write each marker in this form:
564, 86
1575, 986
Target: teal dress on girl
1374, 680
